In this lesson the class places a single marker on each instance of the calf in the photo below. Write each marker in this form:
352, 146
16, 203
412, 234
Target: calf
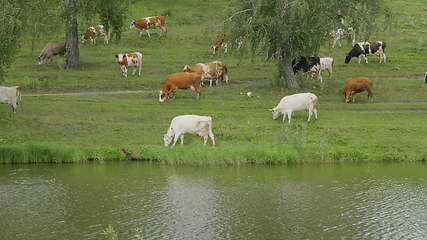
194, 124
357, 85
93, 32
308, 64
296, 102
216, 46
215, 70
325, 64
126, 60
144, 24
341, 33
51, 49
363, 49
11, 96
180, 80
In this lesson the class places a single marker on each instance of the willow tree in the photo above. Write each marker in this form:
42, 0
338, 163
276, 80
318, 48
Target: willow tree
293, 28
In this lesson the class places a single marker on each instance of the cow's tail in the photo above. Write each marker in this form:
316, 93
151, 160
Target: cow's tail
383, 47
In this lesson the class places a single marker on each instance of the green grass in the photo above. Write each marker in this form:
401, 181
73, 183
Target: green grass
59, 129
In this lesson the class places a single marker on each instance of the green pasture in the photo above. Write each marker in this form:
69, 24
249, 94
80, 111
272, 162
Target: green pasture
97, 127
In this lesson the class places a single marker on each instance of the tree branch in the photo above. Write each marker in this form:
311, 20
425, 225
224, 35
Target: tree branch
239, 12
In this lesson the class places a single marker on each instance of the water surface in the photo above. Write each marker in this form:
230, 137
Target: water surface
365, 201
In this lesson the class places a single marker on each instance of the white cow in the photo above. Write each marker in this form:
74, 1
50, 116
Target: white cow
341, 33
325, 64
11, 96
194, 124
296, 102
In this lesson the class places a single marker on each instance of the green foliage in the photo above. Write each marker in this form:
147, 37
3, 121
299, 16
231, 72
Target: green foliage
113, 14
10, 31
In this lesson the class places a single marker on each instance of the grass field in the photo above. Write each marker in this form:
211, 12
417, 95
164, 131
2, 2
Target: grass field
98, 126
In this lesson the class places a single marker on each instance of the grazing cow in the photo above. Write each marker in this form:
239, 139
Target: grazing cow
216, 46
51, 49
216, 70
308, 64
357, 85
341, 33
296, 102
11, 96
194, 124
144, 24
93, 32
126, 60
180, 80
425, 77
363, 49
325, 64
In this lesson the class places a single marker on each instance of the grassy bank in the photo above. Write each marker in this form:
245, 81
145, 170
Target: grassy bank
84, 128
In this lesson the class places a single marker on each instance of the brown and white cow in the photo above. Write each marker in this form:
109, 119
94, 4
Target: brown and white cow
126, 60
216, 46
180, 80
363, 49
215, 70
51, 49
93, 32
357, 85
144, 24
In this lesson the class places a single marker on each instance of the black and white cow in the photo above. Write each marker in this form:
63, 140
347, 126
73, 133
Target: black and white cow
362, 49
425, 77
307, 64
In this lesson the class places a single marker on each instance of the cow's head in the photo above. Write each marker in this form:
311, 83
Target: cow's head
186, 68
275, 113
167, 139
162, 96
214, 48
347, 95
132, 24
123, 62
347, 58
39, 60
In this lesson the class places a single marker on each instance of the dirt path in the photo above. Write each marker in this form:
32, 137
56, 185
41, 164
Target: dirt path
92, 93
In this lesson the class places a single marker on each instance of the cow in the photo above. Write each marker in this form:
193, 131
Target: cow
51, 49
11, 96
308, 64
425, 77
295, 102
126, 60
325, 64
93, 32
362, 49
357, 85
147, 23
180, 80
215, 70
341, 33
194, 124
216, 46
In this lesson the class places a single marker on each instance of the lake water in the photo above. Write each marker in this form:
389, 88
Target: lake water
350, 201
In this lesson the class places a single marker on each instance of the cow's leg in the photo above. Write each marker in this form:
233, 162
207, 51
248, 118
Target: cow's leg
370, 95
289, 116
175, 139
182, 139
140, 68
384, 57
320, 77
366, 59
148, 33
360, 58
205, 139
310, 112
315, 112
225, 48
210, 82
211, 135
284, 117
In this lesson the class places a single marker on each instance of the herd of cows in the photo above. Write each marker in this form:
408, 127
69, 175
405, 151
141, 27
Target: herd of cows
193, 76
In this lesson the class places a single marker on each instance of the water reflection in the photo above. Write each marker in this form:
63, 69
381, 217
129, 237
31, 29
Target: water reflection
368, 201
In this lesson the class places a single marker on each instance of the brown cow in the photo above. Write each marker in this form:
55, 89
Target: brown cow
357, 85
144, 24
180, 80
51, 49
215, 70
97, 31
216, 46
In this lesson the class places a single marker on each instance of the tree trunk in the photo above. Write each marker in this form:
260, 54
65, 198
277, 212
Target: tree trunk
287, 72
72, 48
